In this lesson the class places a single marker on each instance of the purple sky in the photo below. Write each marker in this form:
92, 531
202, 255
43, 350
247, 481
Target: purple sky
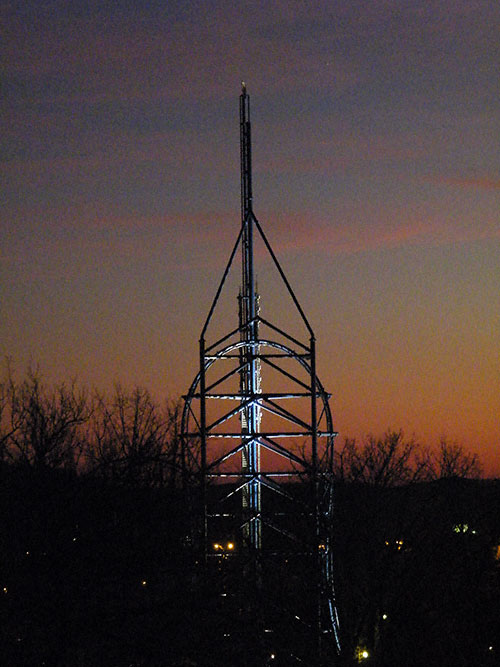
376, 144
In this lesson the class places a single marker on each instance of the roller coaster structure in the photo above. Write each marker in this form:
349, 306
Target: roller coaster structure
257, 428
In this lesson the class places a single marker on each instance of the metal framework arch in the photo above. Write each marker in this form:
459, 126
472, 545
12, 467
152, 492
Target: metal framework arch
189, 414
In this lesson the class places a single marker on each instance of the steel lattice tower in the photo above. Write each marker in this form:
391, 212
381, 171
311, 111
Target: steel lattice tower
265, 506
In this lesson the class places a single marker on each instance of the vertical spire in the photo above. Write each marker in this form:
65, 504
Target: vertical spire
249, 374
245, 154
247, 287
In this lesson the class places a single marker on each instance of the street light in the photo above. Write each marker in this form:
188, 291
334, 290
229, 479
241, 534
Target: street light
217, 546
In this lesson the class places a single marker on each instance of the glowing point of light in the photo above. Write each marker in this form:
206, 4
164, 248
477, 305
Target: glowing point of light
272, 656
144, 582
384, 616
5, 589
230, 546
362, 654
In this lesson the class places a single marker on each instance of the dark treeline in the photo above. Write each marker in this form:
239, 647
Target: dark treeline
125, 437
96, 549
418, 555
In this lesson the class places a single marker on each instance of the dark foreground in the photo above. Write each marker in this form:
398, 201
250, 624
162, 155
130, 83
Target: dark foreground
96, 574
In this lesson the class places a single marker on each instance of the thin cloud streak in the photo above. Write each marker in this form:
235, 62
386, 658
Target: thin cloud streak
321, 237
216, 231
480, 182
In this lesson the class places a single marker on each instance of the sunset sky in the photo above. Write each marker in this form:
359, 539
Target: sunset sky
376, 151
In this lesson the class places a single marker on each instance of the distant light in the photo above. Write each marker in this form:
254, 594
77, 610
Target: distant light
272, 656
230, 546
384, 616
362, 653
397, 544
461, 528
490, 648
5, 589
144, 582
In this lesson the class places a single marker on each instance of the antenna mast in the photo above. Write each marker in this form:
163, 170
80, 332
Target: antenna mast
250, 367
